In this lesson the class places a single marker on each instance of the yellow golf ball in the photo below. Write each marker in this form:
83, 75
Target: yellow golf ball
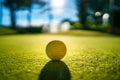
56, 50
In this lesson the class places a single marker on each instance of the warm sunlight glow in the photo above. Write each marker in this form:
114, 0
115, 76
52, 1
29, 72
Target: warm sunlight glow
65, 26
54, 27
57, 11
57, 3
59, 27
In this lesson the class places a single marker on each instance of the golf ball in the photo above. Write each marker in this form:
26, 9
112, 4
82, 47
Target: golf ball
56, 50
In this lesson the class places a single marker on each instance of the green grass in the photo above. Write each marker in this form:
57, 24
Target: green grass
6, 31
90, 56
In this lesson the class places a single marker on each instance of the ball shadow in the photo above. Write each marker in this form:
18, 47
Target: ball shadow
55, 70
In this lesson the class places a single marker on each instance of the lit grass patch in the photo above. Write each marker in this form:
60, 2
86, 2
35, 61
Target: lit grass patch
22, 57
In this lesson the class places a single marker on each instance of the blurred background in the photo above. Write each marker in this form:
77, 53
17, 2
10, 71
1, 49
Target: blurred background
40, 16
90, 30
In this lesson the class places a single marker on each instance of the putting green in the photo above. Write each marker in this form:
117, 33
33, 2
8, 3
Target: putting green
90, 56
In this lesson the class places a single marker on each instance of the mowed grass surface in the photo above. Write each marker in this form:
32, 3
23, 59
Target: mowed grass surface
90, 55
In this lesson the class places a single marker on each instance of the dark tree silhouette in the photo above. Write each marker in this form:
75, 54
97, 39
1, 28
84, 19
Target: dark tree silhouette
28, 4
101, 6
13, 5
93, 5
82, 12
98, 5
115, 16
